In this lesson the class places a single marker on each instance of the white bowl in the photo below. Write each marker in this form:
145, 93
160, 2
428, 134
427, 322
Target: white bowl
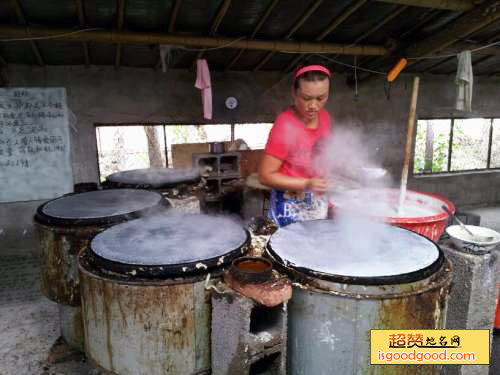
462, 239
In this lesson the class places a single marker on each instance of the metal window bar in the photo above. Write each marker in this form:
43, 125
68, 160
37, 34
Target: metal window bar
450, 145
490, 141
165, 144
450, 150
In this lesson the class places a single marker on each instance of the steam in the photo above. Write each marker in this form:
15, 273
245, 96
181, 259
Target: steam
357, 242
348, 155
359, 183
353, 246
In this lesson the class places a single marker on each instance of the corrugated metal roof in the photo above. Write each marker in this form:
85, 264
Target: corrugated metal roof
412, 25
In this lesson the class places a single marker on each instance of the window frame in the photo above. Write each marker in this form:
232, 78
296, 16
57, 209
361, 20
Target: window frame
165, 150
450, 148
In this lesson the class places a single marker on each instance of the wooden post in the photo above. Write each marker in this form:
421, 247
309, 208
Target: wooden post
409, 141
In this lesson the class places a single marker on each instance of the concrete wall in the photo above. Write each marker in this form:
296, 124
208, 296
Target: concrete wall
136, 96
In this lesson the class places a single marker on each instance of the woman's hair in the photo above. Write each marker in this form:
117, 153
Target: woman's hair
310, 76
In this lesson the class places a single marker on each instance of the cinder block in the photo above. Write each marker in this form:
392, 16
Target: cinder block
247, 338
472, 298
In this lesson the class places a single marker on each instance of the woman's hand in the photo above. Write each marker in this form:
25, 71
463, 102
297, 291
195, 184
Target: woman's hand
317, 185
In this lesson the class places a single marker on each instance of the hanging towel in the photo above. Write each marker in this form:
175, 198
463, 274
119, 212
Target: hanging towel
165, 55
203, 83
464, 82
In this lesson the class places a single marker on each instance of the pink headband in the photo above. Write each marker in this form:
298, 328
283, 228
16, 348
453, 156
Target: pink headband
311, 68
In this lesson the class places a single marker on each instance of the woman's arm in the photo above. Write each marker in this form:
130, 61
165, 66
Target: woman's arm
269, 175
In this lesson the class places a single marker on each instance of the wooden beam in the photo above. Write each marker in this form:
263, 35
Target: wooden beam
383, 22
254, 32
435, 65
264, 18
147, 38
463, 46
216, 23
81, 20
219, 17
476, 19
19, 11
264, 60
290, 33
171, 25
456, 5
119, 26
22, 20
173, 16
339, 20
303, 19
424, 18
336, 23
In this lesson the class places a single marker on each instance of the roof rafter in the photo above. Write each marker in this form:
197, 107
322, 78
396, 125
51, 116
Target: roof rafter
476, 19
147, 38
217, 21
292, 31
335, 23
456, 5
254, 32
171, 24
22, 20
120, 20
435, 65
81, 20
470, 22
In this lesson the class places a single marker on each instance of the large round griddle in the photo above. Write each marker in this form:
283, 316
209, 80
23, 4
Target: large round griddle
100, 207
169, 245
342, 252
153, 178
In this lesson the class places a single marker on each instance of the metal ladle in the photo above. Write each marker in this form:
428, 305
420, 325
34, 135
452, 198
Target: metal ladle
474, 237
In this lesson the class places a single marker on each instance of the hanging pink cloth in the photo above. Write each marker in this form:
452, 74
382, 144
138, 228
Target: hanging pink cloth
203, 83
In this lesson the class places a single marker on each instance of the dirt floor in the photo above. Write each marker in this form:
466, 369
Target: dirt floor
29, 321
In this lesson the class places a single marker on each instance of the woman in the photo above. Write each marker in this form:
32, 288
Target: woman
294, 143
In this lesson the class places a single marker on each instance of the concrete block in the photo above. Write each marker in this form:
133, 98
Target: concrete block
472, 300
247, 338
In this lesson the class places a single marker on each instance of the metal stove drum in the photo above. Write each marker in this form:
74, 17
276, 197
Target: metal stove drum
178, 186
349, 281
146, 305
65, 226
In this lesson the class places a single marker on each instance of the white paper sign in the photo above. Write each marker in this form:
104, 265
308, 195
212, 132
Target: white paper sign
35, 159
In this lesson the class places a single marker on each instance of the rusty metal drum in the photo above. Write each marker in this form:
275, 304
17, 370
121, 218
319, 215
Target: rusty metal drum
348, 282
146, 308
65, 226
178, 186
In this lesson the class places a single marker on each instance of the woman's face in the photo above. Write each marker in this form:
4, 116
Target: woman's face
310, 97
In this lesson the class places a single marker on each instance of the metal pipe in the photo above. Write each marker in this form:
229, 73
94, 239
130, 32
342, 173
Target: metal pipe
128, 37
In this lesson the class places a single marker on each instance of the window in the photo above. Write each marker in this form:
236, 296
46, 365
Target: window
125, 147
456, 145
255, 135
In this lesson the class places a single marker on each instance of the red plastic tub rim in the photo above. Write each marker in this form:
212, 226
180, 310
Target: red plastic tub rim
424, 219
